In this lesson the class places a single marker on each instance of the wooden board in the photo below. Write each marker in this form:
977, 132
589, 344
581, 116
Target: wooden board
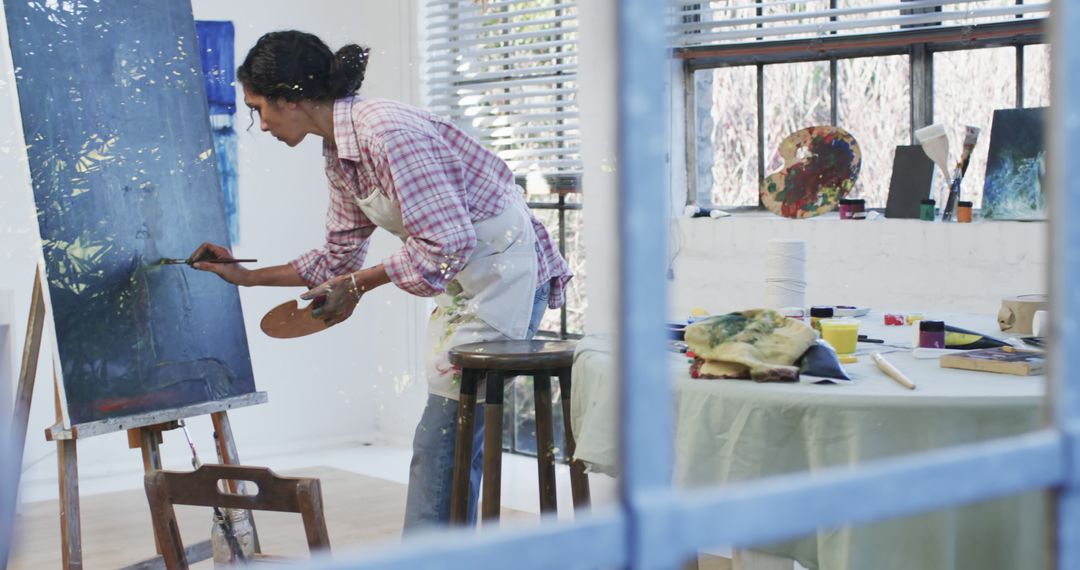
1002, 360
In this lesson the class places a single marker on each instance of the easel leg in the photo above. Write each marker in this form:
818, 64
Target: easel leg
67, 461
226, 452
147, 439
20, 419
70, 529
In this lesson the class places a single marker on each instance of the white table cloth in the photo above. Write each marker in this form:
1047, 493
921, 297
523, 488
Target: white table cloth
732, 430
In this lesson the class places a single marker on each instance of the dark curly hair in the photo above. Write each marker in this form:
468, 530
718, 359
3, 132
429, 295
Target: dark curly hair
293, 65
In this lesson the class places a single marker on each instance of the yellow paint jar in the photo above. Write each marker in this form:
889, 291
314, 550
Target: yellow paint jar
841, 334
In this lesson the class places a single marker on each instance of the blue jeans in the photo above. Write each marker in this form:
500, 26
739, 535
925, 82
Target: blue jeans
432, 468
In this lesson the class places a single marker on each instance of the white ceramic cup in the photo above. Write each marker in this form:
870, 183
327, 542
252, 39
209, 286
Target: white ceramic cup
1040, 323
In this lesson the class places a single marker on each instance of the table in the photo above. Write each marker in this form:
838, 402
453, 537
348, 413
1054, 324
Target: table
728, 431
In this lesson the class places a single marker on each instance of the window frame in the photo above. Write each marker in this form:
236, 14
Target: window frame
919, 44
655, 526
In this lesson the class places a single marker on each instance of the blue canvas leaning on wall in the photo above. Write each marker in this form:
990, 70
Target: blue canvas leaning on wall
115, 118
217, 54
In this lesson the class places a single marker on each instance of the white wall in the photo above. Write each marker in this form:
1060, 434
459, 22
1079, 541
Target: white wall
599, 133
889, 265
358, 382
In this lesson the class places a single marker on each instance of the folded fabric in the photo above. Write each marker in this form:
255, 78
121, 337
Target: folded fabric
821, 361
760, 344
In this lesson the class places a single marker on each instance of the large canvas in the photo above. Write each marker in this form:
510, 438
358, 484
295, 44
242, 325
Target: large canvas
1016, 166
115, 118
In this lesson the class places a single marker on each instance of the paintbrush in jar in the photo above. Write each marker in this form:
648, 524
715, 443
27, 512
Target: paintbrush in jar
971, 136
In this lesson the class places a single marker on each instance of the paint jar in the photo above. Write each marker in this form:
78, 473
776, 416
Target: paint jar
841, 334
894, 319
858, 208
931, 334
794, 313
927, 210
846, 209
818, 313
963, 212
242, 530
852, 209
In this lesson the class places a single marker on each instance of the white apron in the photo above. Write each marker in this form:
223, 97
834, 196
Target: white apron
491, 298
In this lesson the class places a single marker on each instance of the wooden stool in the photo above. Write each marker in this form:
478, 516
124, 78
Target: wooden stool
499, 362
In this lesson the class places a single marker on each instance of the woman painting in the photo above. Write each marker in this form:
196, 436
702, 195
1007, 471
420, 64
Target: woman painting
468, 239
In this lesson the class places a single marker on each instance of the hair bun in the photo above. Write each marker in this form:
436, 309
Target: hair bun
347, 69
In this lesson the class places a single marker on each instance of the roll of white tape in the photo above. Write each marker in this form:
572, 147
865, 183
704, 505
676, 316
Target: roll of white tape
1040, 323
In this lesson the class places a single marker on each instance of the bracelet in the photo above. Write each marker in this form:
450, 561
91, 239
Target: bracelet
356, 290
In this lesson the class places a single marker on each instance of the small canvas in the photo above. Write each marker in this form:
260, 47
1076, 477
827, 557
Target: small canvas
912, 179
1016, 166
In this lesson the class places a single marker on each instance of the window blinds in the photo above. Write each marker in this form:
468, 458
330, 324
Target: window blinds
507, 73
743, 21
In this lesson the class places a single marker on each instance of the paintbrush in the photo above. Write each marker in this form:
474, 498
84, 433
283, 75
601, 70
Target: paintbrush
971, 136
935, 143
171, 261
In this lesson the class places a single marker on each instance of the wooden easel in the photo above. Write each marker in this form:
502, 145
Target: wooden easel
144, 432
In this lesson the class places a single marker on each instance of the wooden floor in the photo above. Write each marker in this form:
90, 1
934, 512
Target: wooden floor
359, 510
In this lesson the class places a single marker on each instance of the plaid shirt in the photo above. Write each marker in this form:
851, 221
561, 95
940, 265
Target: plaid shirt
443, 180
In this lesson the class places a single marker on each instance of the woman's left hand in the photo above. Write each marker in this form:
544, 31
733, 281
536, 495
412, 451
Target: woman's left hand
334, 300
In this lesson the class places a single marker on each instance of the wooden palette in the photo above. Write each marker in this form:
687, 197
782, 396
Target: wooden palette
289, 320
821, 165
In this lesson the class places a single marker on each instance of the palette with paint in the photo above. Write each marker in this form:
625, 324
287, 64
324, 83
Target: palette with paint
821, 165
289, 320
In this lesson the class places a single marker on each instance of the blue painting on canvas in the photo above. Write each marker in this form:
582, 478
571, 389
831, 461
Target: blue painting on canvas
216, 52
1016, 166
114, 114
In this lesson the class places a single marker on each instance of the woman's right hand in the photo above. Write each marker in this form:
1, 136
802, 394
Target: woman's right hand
231, 272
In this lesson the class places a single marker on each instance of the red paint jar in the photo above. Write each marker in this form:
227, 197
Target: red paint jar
932, 334
852, 209
845, 209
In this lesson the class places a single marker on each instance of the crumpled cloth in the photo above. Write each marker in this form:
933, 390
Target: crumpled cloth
760, 344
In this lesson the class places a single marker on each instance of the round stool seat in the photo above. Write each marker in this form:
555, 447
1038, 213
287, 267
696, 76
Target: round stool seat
518, 355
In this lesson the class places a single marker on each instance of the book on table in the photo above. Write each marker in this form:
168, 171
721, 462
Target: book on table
1002, 359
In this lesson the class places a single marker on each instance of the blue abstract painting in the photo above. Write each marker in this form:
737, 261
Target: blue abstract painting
217, 54
114, 114
1015, 166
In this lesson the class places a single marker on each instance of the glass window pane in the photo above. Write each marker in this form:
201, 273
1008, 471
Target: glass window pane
968, 86
874, 100
726, 126
796, 97
1037, 75
575, 256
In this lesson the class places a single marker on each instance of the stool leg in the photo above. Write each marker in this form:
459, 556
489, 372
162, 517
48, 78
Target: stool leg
579, 480
493, 428
545, 442
459, 486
